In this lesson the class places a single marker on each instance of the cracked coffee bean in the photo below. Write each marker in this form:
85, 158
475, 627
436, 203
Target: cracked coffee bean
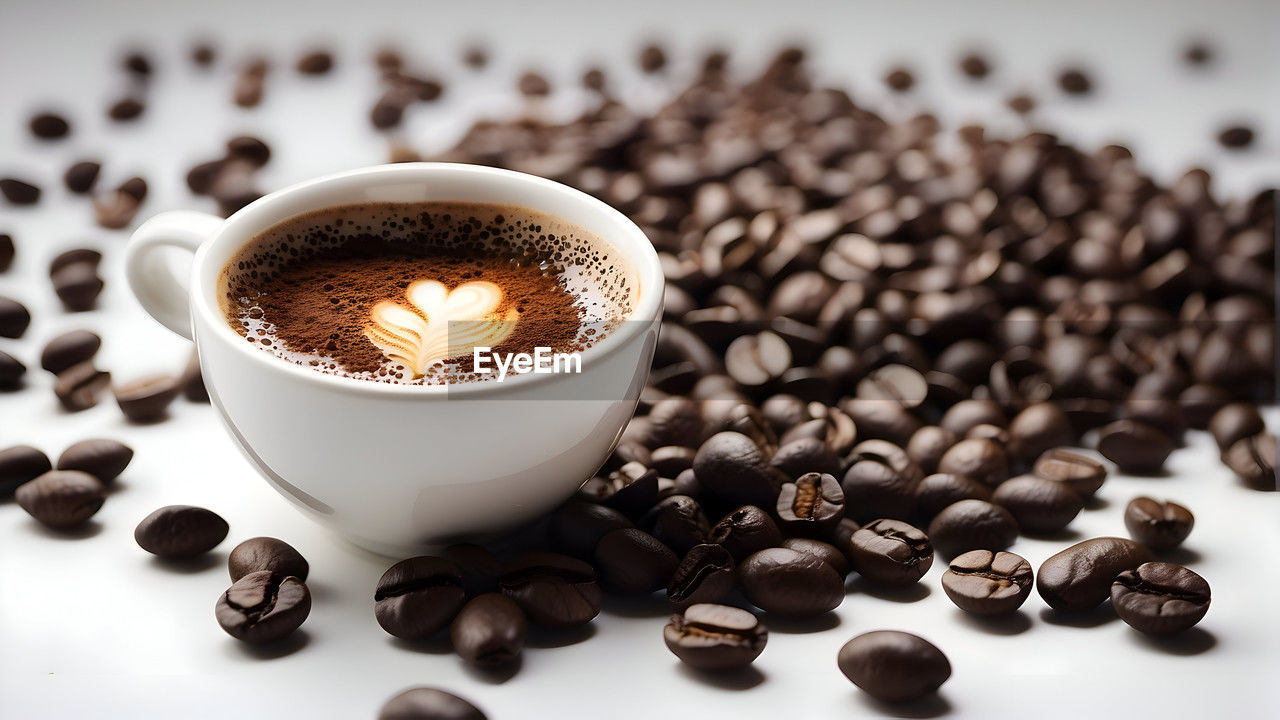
1158, 525
263, 607
983, 582
428, 703
972, 525
705, 575
1079, 578
553, 590
1082, 474
1039, 505
21, 464
79, 386
633, 561
147, 399
180, 531
266, 553
417, 597
14, 318
890, 552
102, 458
81, 177
790, 583
1159, 598
893, 666
61, 499
489, 631
810, 505
715, 637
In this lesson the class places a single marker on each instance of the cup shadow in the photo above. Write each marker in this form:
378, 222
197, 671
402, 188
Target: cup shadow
81, 532
494, 675
1014, 623
914, 592
191, 565
934, 705
741, 679
1195, 641
274, 650
1096, 617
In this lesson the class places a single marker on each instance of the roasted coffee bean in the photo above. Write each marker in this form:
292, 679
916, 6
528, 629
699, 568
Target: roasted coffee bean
890, 552
881, 419
101, 458
1079, 578
975, 65
824, 551
895, 383
805, 455
715, 637
61, 499
1158, 525
475, 56
972, 525
1197, 53
532, 84
126, 109
678, 522
1135, 448
191, 381
983, 582
1160, 598
11, 372
633, 561
78, 387
928, 444
489, 631
893, 666
1236, 137
631, 489
200, 178
1080, 473
234, 186
705, 575
7, 251
745, 531
553, 590
203, 54
1074, 81
263, 607
576, 528
266, 553
316, 62
1233, 422
480, 568
20, 464
982, 459
19, 192
880, 482
899, 79
755, 360
138, 64
937, 491
14, 318
1039, 505
180, 531
790, 583
77, 286
49, 126
966, 414
675, 421
248, 90
811, 504
146, 399
671, 460
74, 256
416, 598
81, 177
652, 58
732, 467
1038, 428
249, 148
1162, 414
1253, 460
428, 703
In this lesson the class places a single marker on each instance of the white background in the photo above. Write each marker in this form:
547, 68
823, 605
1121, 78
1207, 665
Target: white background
90, 626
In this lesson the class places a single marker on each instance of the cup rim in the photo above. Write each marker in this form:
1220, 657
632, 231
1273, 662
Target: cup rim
630, 241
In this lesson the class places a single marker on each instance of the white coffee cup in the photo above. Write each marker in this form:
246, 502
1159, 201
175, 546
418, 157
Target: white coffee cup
394, 468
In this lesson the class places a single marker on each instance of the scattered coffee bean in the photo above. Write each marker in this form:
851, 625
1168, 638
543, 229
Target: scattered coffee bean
147, 399
180, 531
652, 58
1253, 460
1236, 137
79, 386
7, 251
972, 525
553, 590
77, 286
82, 176
824, 551
1021, 103
417, 597
594, 79
102, 458
1038, 428
203, 54
489, 631
19, 192
811, 504
14, 318
937, 491
927, 446
480, 568
1082, 474
114, 210
532, 84
263, 607
316, 62
732, 466
899, 80
1074, 81
633, 561
1039, 505
981, 459
1135, 447
266, 553
678, 522
881, 482
21, 464
893, 666
200, 178
975, 66
1160, 598
755, 360
745, 531
983, 582
126, 109
705, 575
715, 637
1079, 578
1197, 52
1233, 422
11, 372
137, 63
247, 147
428, 703
49, 126
61, 499
790, 583
475, 56
577, 527
890, 552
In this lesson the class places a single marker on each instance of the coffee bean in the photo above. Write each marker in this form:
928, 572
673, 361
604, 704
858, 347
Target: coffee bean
678, 522
1079, 578
101, 458
19, 192
972, 525
1074, 81
928, 444
480, 568
137, 63
805, 455
899, 80
81, 177
937, 491
180, 531
631, 489
200, 178
316, 62
881, 420
1233, 422
982, 459
1021, 103
489, 631
1197, 52
1253, 460
74, 256
1158, 525
428, 703
203, 54
811, 504
890, 552
248, 90
755, 360
78, 387
1082, 474
652, 58
553, 590
705, 575
532, 84
1236, 137
417, 597
1039, 505
733, 468
78, 286
975, 65
671, 460
147, 399
126, 109
21, 464
577, 527
1135, 448
11, 372
1038, 428
895, 383
49, 126
675, 421
745, 531
1160, 598
880, 482
475, 56
790, 583
983, 582
633, 561
191, 381
824, 551
7, 251
594, 79
14, 318
893, 666
249, 148
715, 637
263, 607
61, 499
266, 553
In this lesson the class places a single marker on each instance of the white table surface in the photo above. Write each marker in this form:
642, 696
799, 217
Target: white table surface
91, 626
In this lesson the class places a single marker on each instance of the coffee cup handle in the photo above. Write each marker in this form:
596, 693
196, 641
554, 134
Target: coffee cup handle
151, 278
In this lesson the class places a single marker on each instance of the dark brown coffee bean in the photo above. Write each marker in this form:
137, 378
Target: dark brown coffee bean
1038, 504
266, 553
805, 455
248, 90
77, 286
983, 582
577, 527
74, 256
981, 459
732, 467
975, 66
1082, 474
1197, 52
671, 460
191, 381
1253, 460
1135, 448
554, 590
316, 62
138, 64
1200, 402
428, 703
967, 414
79, 386
675, 421
1074, 81
200, 178
81, 177
388, 112
755, 360
480, 568
114, 209
745, 531
180, 531
20, 464
14, 318
893, 666
203, 54
489, 631
234, 186
715, 637
631, 489
1160, 598
705, 575
19, 192
1234, 422
147, 399
790, 583
927, 446
935, 492
972, 525
1079, 578
678, 522
1021, 103
475, 56
633, 561
1038, 428
126, 109
263, 607
7, 251
899, 80
1158, 525
1236, 137
101, 458
811, 504
824, 551
890, 552
49, 126
532, 84
11, 372
61, 499
416, 598
881, 420
250, 149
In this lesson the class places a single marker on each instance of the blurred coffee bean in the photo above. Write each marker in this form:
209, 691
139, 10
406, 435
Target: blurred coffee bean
981, 459
1253, 460
928, 444
939, 490
805, 455
19, 192
77, 286
428, 703
79, 386
1236, 137
1080, 473
1038, 428
147, 399
20, 464
126, 109
972, 525
49, 126
316, 62
1134, 447
1234, 422
11, 372
899, 80
191, 381
1074, 81
974, 65
14, 318
81, 176
755, 360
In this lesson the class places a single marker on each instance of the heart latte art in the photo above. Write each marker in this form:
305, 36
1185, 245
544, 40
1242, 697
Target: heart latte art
440, 324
